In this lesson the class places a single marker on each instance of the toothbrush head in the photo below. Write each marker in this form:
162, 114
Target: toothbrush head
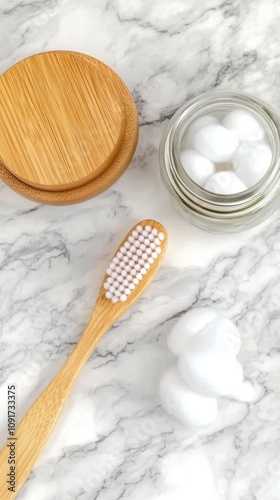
135, 262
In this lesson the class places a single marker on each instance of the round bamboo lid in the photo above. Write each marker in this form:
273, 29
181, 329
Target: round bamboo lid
68, 127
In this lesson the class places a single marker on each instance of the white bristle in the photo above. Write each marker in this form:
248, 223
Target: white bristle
132, 262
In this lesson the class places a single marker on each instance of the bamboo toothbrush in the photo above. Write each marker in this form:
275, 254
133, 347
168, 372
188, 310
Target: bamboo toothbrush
132, 268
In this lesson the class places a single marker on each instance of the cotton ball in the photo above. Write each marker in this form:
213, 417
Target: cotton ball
187, 326
224, 182
197, 167
215, 142
251, 161
178, 400
208, 365
244, 124
198, 124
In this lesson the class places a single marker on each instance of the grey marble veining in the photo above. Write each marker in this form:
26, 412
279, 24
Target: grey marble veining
114, 441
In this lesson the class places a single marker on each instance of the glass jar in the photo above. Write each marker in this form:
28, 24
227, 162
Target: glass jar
220, 213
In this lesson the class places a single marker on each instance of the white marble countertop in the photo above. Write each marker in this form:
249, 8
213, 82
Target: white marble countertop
113, 440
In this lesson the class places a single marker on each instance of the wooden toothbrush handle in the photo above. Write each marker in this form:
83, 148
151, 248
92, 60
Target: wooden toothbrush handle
36, 426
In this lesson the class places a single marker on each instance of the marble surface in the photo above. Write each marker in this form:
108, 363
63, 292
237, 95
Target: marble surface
114, 441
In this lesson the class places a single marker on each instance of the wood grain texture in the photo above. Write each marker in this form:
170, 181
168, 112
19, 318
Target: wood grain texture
119, 160
38, 423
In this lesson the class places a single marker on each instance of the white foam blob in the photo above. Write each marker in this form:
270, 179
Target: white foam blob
209, 365
181, 402
248, 393
190, 324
